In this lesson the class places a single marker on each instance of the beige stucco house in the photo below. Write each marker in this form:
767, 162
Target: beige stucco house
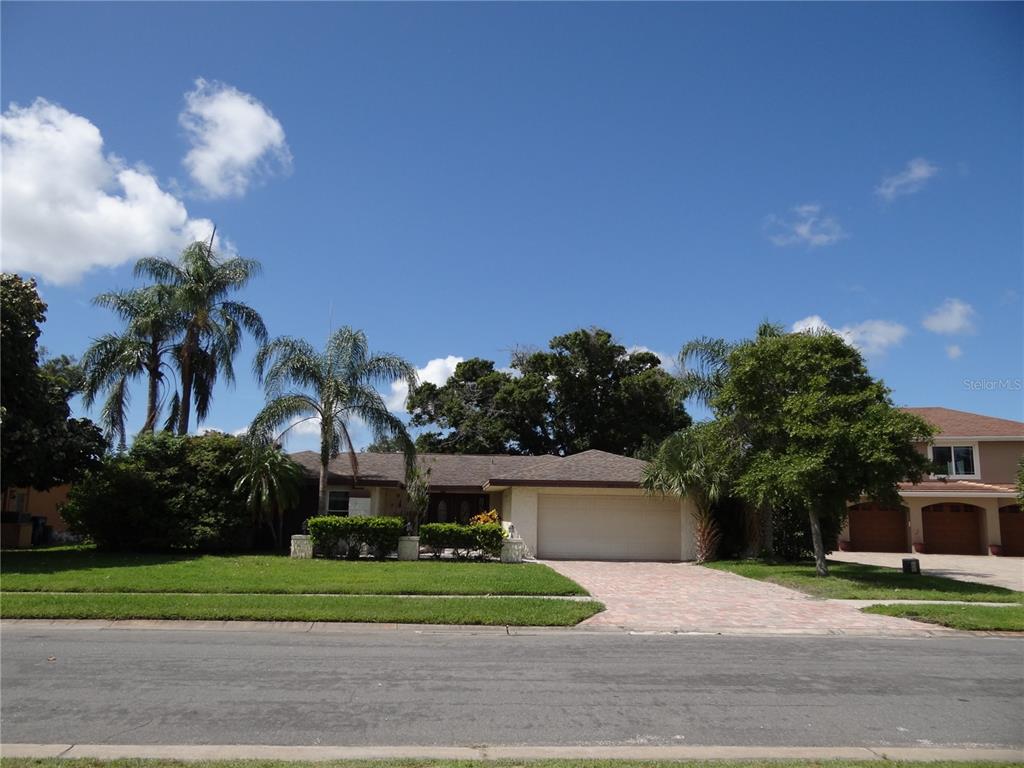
969, 509
586, 506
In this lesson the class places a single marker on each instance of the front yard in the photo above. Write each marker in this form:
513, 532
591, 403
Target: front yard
968, 617
853, 581
82, 583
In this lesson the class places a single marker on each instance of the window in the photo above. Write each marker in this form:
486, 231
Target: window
337, 503
958, 460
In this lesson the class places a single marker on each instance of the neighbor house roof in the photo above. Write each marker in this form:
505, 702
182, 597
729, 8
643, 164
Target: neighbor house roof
963, 424
474, 471
957, 487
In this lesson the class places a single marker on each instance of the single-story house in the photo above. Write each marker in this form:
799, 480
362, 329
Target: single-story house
586, 506
969, 509
29, 517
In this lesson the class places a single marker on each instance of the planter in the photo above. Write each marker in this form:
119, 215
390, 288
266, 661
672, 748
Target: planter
302, 547
919, 547
408, 547
844, 546
513, 550
995, 549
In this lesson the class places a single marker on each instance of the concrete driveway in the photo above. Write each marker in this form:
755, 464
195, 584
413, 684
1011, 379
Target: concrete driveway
683, 597
998, 571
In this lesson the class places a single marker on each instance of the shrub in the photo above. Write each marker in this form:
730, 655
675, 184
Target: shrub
379, 534
485, 517
791, 534
485, 538
166, 493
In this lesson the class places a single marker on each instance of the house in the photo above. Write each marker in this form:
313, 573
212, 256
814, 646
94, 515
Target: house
969, 509
586, 506
29, 517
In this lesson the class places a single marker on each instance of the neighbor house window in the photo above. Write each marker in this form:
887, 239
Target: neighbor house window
337, 503
955, 460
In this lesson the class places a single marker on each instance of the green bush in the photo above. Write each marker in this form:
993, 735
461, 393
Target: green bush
379, 534
485, 538
791, 534
166, 493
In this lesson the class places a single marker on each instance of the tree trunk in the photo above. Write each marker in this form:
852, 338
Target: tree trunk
819, 547
186, 382
767, 533
322, 505
153, 394
280, 528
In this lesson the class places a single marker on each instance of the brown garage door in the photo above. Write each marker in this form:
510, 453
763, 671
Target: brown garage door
874, 528
952, 529
1011, 530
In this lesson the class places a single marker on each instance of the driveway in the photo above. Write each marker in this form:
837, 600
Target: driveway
998, 571
688, 598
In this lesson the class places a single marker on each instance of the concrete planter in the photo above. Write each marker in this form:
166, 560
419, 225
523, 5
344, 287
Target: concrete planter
919, 547
408, 547
995, 549
513, 550
302, 547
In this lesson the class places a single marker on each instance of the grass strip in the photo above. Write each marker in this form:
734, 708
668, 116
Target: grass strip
854, 581
974, 617
84, 569
516, 611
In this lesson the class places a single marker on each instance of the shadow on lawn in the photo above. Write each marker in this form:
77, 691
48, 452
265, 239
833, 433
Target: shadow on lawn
69, 559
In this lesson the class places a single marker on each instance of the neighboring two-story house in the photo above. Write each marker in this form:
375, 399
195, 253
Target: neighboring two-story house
969, 509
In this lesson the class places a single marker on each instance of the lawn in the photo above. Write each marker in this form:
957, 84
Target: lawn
853, 581
513, 611
975, 617
14, 762
82, 569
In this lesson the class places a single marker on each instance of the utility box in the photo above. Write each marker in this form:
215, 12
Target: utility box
912, 566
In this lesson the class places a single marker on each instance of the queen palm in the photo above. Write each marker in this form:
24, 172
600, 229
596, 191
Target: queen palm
142, 349
270, 481
332, 387
212, 324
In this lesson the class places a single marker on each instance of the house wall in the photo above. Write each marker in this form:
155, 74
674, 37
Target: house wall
39, 504
999, 460
519, 507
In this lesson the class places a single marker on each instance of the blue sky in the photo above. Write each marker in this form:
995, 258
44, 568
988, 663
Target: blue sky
462, 179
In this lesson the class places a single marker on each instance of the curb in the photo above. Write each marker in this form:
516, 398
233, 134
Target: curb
322, 753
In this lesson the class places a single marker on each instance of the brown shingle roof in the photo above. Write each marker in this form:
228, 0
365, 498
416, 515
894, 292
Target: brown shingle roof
963, 424
957, 487
587, 469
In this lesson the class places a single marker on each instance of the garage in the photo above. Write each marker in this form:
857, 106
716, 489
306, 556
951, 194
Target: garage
952, 529
1011, 530
585, 527
877, 528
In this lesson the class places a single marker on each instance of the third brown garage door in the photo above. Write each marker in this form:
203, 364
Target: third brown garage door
874, 528
952, 529
1011, 530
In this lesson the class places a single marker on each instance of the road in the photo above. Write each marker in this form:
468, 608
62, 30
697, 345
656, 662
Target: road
126, 686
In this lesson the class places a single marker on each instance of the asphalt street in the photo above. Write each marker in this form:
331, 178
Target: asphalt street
405, 687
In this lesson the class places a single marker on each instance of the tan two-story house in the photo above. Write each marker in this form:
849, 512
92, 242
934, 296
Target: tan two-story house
970, 508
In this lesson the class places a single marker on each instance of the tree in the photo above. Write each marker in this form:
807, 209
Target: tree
700, 463
819, 431
40, 444
385, 444
1020, 481
270, 482
332, 387
417, 489
143, 349
212, 325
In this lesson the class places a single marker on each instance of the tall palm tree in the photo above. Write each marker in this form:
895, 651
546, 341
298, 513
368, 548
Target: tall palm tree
333, 386
213, 324
142, 349
704, 363
270, 481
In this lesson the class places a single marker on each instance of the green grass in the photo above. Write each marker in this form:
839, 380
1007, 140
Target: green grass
974, 617
515, 611
70, 569
852, 581
15, 762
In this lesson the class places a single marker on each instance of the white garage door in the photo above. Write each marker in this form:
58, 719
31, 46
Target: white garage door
608, 528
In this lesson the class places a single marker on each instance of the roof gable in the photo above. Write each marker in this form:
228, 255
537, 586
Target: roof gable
964, 424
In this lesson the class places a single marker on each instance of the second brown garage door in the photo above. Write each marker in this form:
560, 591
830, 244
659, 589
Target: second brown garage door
1011, 530
952, 529
874, 528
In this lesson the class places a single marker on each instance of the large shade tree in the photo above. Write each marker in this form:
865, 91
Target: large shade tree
818, 430
332, 387
212, 323
145, 348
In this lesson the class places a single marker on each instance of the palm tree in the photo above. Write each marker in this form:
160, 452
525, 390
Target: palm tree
270, 481
333, 387
213, 325
704, 363
699, 462
114, 360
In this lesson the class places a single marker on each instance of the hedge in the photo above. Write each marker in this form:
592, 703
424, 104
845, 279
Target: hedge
463, 539
330, 533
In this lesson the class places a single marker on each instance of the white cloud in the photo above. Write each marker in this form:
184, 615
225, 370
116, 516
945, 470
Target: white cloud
953, 316
69, 208
436, 371
668, 362
953, 351
872, 337
911, 179
809, 226
235, 139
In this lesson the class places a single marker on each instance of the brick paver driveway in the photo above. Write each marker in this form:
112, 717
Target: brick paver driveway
688, 598
997, 571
